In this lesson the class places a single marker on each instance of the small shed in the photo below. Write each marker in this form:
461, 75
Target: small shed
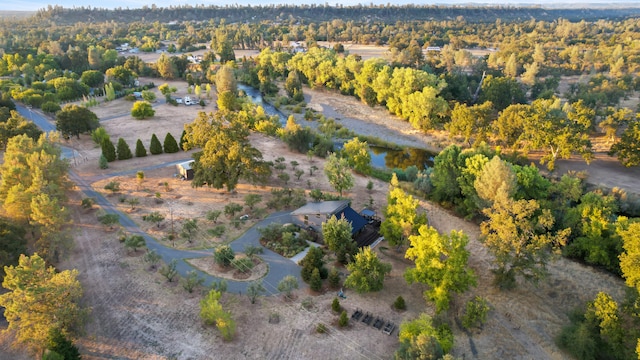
185, 170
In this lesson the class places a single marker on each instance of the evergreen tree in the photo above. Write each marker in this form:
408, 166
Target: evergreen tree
316, 281
124, 152
108, 150
140, 150
170, 144
155, 147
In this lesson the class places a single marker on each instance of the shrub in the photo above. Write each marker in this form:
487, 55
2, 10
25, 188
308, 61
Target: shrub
399, 304
316, 281
335, 305
334, 278
102, 162
321, 328
155, 147
124, 152
140, 150
87, 203
170, 144
343, 320
475, 313
217, 231
98, 135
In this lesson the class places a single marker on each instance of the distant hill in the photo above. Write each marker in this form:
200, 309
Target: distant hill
16, 14
316, 13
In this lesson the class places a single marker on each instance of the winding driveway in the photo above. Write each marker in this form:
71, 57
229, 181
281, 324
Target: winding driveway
279, 266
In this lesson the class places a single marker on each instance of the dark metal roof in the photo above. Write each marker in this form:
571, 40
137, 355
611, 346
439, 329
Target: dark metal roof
357, 221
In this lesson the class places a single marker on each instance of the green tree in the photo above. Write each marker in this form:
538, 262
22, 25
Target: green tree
140, 150
471, 121
630, 258
134, 242
357, 154
170, 144
109, 219
170, 270
315, 283
49, 217
156, 147
502, 92
17, 125
153, 217
337, 235
343, 320
496, 176
556, 133
518, 234
223, 255
123, 150
189, 228
250, 200
166, 67
420, 339
108, 150
626, 149
74, 120
401, 218
337, 171
211, 312
441, 263
254, 290
191, 281
367, 272
40, 299
227, 154
287, 285
92, 78
446, 171
142, 110
313, 260
61, 345
148, 96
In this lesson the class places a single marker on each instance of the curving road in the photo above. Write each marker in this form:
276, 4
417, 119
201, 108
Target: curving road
279, 266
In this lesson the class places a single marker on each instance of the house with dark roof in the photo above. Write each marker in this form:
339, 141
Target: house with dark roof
364, 229
313, 214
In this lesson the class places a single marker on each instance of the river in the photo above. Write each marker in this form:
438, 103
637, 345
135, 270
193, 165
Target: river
381, 157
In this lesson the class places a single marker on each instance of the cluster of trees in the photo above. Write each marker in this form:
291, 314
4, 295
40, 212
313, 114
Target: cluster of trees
122, 151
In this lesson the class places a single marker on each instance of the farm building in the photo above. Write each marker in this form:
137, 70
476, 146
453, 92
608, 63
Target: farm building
185, 170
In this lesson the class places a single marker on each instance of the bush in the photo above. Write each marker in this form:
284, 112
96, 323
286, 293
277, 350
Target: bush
399, 304
343, 320
98, 135
335, 306
333, 278
170, 144
87, 203
475, 313
217, 231
102, 162
321, 328
140, 150
155, 147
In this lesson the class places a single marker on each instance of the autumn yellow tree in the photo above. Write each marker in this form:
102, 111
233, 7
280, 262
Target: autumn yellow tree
40, 299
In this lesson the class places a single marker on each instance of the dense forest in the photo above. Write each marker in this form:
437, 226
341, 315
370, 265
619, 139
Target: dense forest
501, 105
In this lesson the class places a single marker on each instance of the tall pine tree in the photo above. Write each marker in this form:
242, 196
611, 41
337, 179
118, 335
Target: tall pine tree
155, 147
